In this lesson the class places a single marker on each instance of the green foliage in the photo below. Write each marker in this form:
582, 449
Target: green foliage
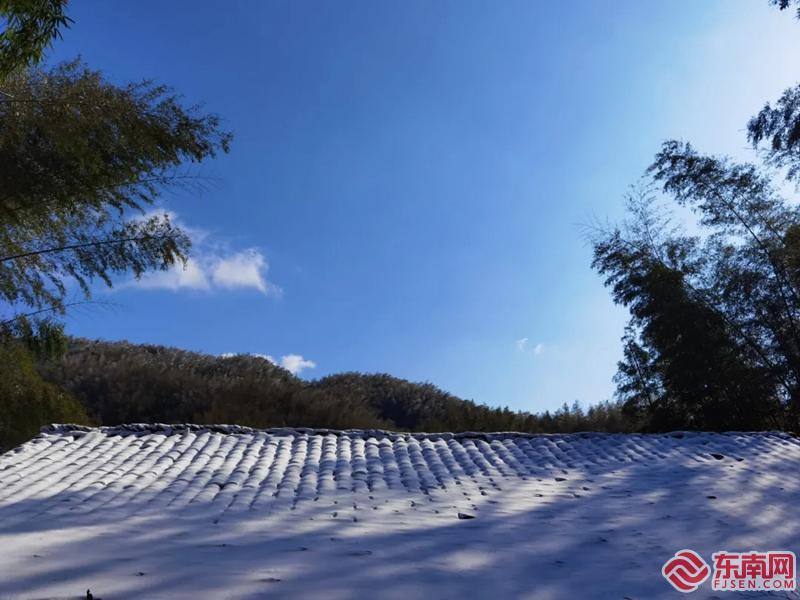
29, 27
82, 160
120, 383
61, 218
80, 153
784, 4
776, 129
714, 336
26, 401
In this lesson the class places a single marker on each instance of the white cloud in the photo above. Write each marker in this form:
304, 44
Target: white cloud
189, 276
294, 363
211, 266
538, 348
522, 344
246, 269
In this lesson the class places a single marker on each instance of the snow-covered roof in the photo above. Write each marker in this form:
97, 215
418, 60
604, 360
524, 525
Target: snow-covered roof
227, 511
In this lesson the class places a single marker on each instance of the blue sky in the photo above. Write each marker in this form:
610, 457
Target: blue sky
408, 179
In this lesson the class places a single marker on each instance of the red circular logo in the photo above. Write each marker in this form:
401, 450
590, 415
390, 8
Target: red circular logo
685, 571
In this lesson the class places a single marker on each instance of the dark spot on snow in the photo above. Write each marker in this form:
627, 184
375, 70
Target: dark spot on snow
561, 478
302, 549
465, 516
140, 574
269, 580
359, 553
717, 455
711, 497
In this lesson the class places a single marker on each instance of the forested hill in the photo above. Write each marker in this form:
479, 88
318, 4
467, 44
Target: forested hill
119, 382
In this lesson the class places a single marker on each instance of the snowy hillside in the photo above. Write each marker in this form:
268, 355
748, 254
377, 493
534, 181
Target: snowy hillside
149, 511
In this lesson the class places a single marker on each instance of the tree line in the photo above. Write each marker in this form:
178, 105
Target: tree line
120, 382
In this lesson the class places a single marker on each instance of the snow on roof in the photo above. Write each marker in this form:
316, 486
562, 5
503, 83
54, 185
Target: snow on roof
188, 511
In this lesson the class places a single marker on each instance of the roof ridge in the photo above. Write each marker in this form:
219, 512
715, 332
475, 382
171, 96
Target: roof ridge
176, 428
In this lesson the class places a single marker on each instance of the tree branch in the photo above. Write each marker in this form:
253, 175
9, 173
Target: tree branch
86, 245
151, 180
49, 309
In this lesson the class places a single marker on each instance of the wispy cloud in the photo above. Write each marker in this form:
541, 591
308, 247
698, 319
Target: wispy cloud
523, 345
211, 266
189, 276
